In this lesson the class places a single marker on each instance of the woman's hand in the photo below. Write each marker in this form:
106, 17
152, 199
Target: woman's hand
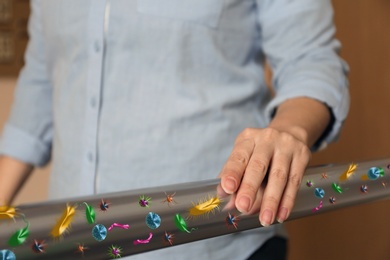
265, 168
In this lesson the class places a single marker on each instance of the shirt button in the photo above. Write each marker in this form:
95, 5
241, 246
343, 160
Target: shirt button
97, 46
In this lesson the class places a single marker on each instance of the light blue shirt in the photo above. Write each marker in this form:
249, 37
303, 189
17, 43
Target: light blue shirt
127, 94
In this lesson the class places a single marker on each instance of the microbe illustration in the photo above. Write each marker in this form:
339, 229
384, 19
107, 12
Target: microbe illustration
64, 222
153, 220
7, 212
231, 221
7, 254
205, 207
169, 199
81, 249
99, 232
122, 226
143, 241
168, 238
318, 207
20, 236
349, 172
319, 193
309, 184
181, 224
337, 188
104, 205
364, 188
89, 213
114, 251
332, 200
374, 173
38, 246
144, 201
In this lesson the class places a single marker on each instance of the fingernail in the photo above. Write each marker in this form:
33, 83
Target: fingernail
266, 218
282, 215
244, 204
230, 185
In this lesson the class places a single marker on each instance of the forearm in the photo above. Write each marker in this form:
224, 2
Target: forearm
13, 173
304, 118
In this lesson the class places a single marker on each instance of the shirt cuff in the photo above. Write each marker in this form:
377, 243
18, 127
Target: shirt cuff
338, 105
22, 146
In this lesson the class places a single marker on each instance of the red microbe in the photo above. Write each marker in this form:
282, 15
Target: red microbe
168, 238
38, 246
104, 205
231, 221
169, 199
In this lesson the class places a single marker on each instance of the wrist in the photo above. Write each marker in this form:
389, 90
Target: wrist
298, 132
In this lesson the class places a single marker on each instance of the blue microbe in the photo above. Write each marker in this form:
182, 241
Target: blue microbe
7, 254
153, 220
320, 193
99, 232
374, 173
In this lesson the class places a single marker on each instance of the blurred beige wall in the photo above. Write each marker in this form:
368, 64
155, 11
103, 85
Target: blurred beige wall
36, 187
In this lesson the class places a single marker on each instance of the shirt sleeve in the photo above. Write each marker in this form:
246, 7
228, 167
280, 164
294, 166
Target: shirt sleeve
298, 40
27, 135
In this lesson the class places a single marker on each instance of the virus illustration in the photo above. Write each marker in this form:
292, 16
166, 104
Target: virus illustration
144, 201
337, 188
114, 251
319, 193
89, 213
7, 254
332, 200
181, 224
309, 184
205, 207
318, 207
364, 188
169, 198
324, 176
348, 172
99, 232
143, 241
38, 246
231, 221
374, 173
7, 212
153, 220
21, 235
104, 205
122, 226
81, 249
168, 238
63, 224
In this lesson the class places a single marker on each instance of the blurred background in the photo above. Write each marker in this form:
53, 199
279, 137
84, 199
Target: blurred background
363, 27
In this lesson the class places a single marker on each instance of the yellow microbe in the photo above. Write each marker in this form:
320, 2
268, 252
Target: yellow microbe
348, 173
64, 222
205, 207
7, 212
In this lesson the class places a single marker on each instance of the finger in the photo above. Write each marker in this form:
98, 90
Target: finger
277, 180
257, 202
253, 177
234, 168
297, 169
